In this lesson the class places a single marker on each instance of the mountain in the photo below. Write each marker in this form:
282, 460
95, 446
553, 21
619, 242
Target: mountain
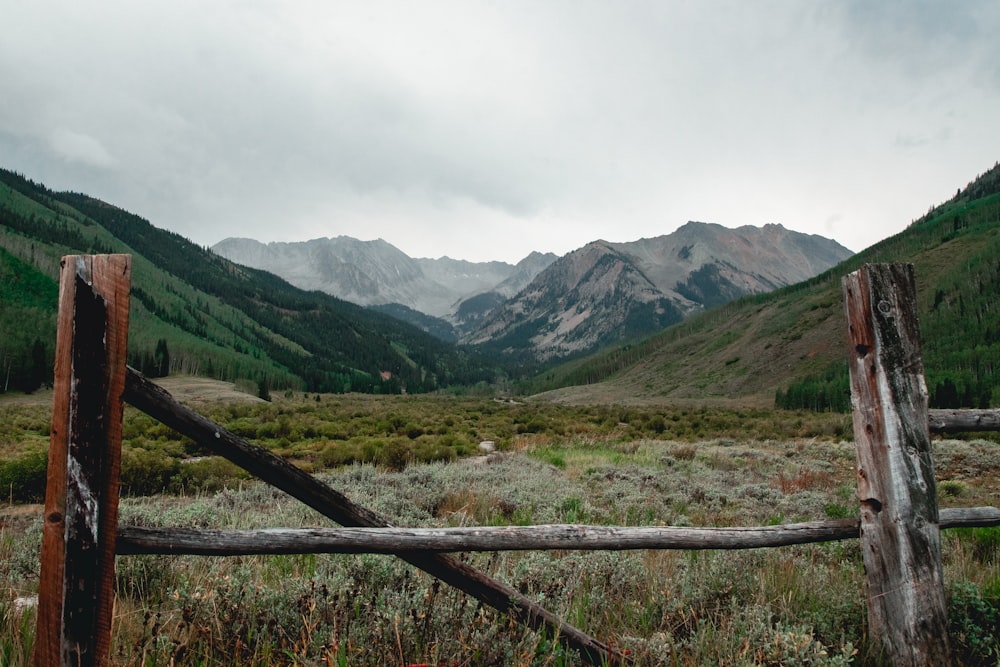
469, 313
789, 346
609, 292
377, 273
193, 311
544, 308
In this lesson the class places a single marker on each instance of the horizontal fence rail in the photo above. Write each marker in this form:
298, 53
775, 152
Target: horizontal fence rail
568, 537
963, 421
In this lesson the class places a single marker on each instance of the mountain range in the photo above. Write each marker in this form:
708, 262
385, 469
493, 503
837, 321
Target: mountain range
609, 292
377, 273
193, 311
546, 307
788, 347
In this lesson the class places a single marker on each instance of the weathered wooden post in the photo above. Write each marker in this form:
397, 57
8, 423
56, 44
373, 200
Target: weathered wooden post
900, 536
76, 586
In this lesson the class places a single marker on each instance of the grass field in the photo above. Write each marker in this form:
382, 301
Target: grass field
417, 461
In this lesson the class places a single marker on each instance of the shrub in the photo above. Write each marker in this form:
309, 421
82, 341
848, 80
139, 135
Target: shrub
145, 472
839, 511
656, 424
394, 455
209, 475
340, 453
23, 478
429, 452
974, 625
951, 488
683, 452
535, 425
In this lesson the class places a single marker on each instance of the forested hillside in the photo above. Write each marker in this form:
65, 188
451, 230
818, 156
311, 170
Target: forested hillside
27, 319
790, 344
195, 312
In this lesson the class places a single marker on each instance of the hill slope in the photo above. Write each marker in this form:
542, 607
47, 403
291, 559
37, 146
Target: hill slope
791, 342
202, 314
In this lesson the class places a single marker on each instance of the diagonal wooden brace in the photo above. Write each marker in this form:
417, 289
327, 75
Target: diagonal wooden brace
158, 403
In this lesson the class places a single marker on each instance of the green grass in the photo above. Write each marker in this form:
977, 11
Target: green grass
322, 432
603, 466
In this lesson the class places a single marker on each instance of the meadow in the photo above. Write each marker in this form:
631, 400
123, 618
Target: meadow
417, 461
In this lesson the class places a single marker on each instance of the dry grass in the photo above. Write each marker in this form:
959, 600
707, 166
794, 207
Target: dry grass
795, 605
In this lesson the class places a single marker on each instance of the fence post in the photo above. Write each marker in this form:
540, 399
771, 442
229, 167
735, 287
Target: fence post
900, 536
76, 584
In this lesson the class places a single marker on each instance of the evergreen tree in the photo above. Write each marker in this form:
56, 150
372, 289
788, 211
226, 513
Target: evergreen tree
40, 371
263, 390
161, 358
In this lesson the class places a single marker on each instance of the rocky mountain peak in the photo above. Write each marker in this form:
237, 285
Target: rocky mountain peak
605, 292
376, 272
548, 306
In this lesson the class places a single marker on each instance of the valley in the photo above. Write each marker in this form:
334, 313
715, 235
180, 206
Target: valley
679, 428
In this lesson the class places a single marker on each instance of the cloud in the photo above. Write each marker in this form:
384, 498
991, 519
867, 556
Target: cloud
542, 125
79, 147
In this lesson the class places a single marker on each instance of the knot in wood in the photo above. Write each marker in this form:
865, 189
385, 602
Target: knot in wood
874, 504
885, 307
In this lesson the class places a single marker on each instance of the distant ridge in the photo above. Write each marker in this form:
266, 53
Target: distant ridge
545, 307
378, 273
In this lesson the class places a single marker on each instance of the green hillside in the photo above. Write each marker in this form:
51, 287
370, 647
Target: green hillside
197, 313
790, 344
27, 318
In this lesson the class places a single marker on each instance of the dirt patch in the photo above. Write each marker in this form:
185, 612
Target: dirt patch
187, 389
40, 397
19, 516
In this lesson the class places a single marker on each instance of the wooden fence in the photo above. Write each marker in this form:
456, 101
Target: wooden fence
898, 526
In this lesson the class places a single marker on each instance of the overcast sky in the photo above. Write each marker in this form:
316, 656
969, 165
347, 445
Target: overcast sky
486, 130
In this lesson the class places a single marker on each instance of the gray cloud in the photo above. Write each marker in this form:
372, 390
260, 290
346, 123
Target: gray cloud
77, 147
487, 130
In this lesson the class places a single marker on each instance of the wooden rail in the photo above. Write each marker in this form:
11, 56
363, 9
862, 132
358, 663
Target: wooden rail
963, 421
566, 537
899, 523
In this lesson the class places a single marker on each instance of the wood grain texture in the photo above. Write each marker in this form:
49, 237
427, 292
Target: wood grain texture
209, 542
963, 421
899, 515
76, 584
